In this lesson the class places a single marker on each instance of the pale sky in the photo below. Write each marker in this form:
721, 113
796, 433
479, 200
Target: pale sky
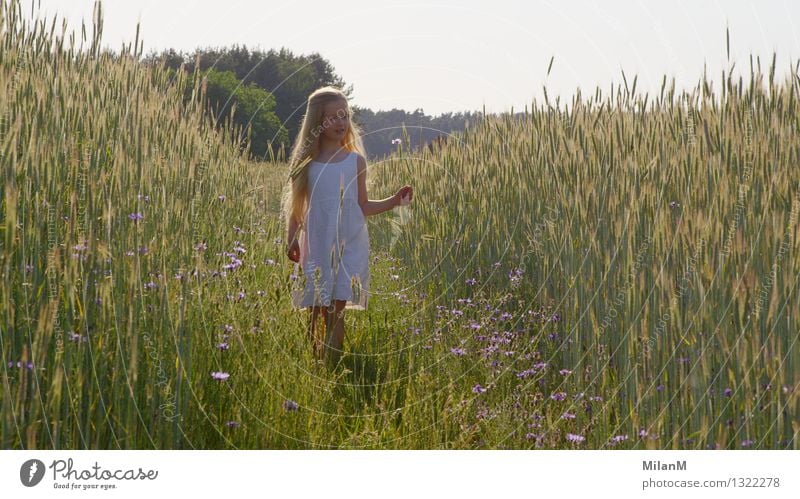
451, 55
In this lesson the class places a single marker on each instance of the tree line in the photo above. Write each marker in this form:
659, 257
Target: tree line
269, 90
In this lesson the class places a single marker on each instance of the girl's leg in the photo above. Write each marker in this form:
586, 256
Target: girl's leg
334, 331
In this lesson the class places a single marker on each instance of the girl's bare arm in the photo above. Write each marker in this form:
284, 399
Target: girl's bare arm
371, 206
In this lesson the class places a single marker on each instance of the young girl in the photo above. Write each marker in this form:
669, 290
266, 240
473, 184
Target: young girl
326, 200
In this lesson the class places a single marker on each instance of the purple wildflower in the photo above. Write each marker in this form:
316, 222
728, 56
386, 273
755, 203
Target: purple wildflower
235, 263
478, 389
728, 392
617, 439
77, 338
135, 216
21, 364
571, 437
290, 405
558, 396
458, 352
220, 376
514, 275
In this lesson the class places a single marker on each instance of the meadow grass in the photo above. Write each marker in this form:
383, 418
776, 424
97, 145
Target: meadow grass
618, 273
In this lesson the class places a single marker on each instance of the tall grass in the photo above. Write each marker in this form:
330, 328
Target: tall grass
588, 277
664, 231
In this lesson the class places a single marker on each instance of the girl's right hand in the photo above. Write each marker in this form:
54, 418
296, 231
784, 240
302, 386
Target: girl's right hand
293, 252
403, 196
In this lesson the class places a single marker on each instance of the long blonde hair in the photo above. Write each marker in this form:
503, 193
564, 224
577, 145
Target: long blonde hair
306, 148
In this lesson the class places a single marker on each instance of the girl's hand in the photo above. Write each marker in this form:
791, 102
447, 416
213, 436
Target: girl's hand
404, 195
293, 251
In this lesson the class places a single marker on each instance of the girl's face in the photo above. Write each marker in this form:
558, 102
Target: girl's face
335, 121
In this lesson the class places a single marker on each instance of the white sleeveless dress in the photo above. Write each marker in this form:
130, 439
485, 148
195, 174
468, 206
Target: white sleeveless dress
334, 242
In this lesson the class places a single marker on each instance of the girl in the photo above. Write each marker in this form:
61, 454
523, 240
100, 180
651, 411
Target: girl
326, 199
